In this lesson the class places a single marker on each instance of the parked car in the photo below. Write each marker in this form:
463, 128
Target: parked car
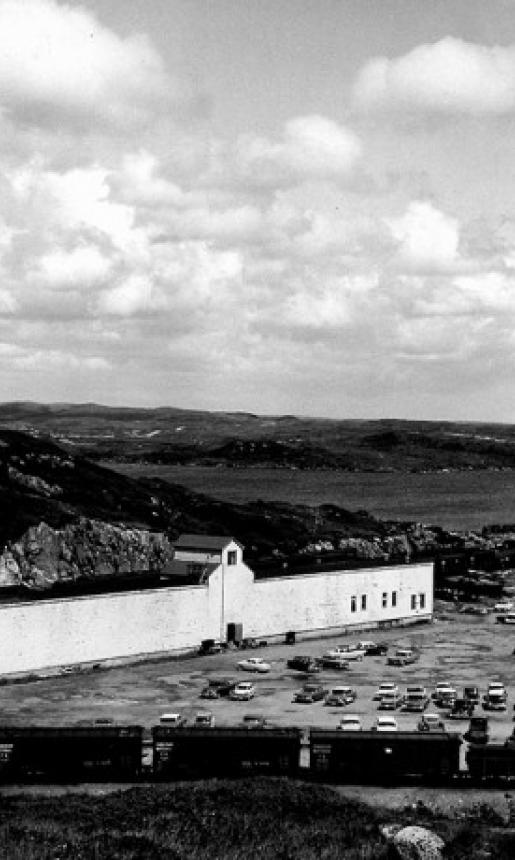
461, 709
503, 606
348, 652
243, 692
350, 723
340, 696
304, 664
254, 721
430, 722
173, 720
254, 664
386, 687
209, 646
494, 700
415, 702
385, 724
204, 720
334, 661
309, 693
471, 694
477, 732
390, 701
506, 618
373, 649
403, 657
444, 695
217, 688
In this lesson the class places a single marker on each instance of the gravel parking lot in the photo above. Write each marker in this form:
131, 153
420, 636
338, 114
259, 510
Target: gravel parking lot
457, 648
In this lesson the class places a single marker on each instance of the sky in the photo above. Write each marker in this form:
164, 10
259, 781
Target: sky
275, 206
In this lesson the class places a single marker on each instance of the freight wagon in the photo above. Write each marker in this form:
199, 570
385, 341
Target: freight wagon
187, 753
383, 757
70, 754
491, 762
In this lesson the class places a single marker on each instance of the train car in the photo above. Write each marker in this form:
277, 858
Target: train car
70, 754
384, 757
491, 763
188, 753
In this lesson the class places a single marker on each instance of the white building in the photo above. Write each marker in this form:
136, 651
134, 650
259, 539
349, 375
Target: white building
219, 591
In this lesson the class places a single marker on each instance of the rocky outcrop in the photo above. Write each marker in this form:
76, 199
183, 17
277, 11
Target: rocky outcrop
415, 843
86, 549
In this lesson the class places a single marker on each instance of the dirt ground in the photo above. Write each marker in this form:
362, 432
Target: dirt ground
457, 648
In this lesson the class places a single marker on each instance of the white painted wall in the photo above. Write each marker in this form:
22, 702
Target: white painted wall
323, 600
74, 630
50, 633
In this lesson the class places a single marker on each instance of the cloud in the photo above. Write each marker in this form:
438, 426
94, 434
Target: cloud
310, 148
449, 76
427, 239
59, 64
83, 266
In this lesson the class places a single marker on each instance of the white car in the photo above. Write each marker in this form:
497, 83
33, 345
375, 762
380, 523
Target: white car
350, 723
348, 652
385, 688
254, 664
497, 687
506, 606
385, 724
172, 720
243, 692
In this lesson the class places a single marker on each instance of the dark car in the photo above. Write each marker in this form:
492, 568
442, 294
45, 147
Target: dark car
304, 664
217, 688
209, 646
310, 693
374, 649
462, 709
255, 721
477, 732
471, 694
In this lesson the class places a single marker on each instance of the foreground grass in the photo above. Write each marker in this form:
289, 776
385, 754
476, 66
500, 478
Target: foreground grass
263, 819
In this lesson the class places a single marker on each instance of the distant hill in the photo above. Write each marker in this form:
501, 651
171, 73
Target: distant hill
169, 436
40, 481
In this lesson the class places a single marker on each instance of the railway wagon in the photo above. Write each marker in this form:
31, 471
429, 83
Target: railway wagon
190, 752
491, 762
383, 757
70, 754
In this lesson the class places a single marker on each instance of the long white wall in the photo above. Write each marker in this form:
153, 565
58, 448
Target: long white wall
52, 633
57, 632
318, 602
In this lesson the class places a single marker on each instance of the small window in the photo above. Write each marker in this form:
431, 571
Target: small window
394, 598
385, 599
413, 601
363, 602
422, 601
353, 603
232, 557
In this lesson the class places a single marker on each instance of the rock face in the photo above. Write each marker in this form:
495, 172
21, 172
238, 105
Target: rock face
88, 548
417, 843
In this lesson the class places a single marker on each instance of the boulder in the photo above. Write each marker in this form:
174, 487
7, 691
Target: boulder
417, 843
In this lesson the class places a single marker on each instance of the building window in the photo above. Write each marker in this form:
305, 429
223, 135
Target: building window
413, 601
363, 602
353, 603
232, 557
422, 601
394, 598
385, 599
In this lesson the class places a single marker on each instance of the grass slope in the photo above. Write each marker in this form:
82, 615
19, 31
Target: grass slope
262, 819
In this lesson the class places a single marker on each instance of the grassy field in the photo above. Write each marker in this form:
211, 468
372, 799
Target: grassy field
458, 500
263, 819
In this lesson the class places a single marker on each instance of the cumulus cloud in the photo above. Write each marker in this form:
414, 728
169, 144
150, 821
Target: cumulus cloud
310, 147
59, 64
448, 76
427, 238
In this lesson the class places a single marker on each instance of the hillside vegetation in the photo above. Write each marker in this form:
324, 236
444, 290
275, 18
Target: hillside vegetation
234, 820
245, 440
